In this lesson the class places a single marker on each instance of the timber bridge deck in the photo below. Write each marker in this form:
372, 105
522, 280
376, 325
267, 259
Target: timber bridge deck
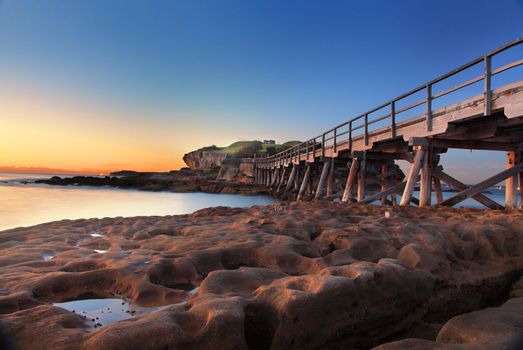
492, 120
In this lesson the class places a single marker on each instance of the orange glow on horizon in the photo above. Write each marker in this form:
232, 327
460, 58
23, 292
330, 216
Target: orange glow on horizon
41, 133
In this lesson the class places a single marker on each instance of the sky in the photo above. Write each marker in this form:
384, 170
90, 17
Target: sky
125, 84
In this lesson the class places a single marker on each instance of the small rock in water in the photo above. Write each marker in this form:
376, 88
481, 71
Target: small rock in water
387, 214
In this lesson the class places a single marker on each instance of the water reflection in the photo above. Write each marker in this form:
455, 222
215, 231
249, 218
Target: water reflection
30, 204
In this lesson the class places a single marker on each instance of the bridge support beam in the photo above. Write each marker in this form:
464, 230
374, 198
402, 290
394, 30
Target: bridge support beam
437, 189
297, 178
351, 180
413, 176
425, 192
282, 179
304, 183
290, 182
362, 180
476, 189
330, 179
323, 179
511, 183
459, 186
275, 177
520, 180
383, 179
260, 176
310, 185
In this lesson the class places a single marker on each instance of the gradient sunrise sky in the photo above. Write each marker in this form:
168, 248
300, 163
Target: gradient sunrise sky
135, 84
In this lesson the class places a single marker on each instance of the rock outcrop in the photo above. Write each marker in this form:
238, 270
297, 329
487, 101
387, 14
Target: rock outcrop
236, 168
204, 159
288, 276
184, 180
490, 328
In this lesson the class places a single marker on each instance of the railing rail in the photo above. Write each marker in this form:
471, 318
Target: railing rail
362, 121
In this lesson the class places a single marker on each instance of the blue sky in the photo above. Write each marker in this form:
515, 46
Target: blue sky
192, 73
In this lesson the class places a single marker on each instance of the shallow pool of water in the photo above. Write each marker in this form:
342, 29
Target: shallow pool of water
101, 312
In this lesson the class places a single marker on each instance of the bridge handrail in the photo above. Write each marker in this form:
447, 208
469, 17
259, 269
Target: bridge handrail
311, 145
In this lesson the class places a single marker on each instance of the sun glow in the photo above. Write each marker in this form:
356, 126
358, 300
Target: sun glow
39, 131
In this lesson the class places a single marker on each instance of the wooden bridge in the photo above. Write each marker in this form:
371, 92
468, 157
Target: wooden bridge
492, 120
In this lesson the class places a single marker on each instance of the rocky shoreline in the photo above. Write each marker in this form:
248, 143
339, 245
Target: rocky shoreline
311, 275
184, 180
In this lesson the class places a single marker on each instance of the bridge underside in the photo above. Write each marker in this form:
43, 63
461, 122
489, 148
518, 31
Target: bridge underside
367, 163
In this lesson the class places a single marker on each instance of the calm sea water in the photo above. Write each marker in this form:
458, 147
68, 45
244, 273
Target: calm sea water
31, 204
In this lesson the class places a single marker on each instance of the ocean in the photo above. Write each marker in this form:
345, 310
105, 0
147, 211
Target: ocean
30, 204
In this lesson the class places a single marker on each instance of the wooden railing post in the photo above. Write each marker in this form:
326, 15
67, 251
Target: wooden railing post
350, 135
487, 85
429, 107
323, 146
335, 146
366, 132
393, 119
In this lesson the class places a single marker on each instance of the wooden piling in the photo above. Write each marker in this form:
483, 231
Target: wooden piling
412, 177
437, 189
383, 180
282, 179
511, 183
323, 179
520, 160
362, 180
361, 183
304, 183
330, 180
297, 179
310, 185
425, 192
275, 177
290, 182
351, 180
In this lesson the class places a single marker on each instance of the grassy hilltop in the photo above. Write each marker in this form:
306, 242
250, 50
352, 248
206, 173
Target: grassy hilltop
247, 149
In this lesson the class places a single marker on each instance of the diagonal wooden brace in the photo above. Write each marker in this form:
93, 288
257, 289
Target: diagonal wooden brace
458, 185
476, 189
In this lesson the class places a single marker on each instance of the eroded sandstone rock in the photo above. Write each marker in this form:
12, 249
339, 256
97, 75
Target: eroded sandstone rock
291, 276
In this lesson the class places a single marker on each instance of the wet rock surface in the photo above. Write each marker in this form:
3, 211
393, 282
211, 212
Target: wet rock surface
288, 276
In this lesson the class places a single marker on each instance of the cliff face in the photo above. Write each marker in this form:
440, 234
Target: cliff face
203, 159
230, 168
235, 168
